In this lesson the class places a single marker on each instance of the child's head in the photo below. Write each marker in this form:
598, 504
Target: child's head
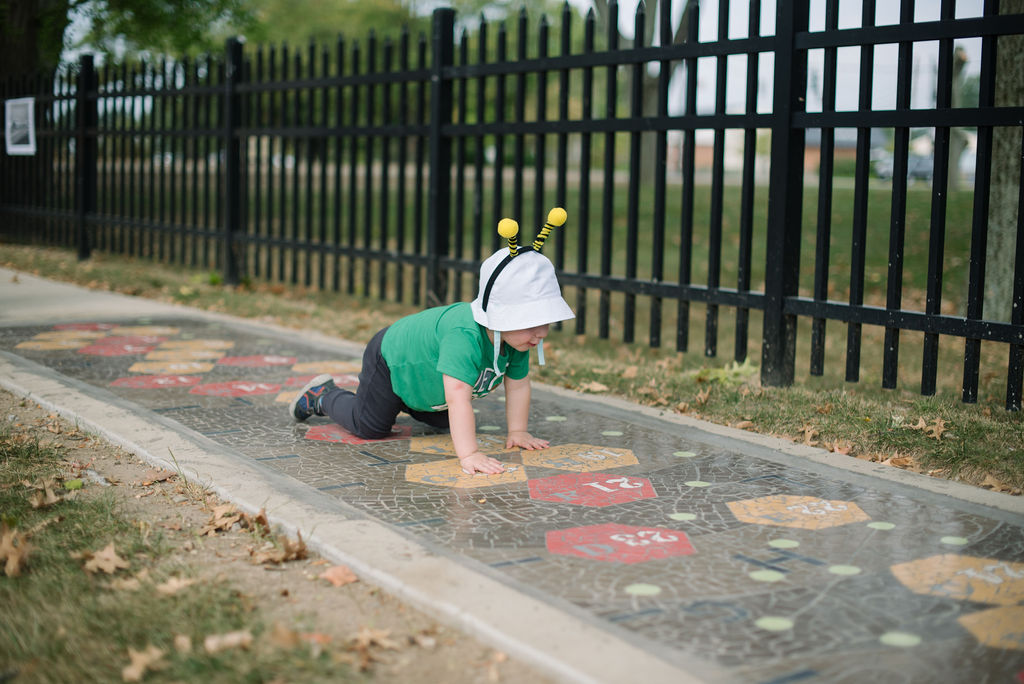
519, 292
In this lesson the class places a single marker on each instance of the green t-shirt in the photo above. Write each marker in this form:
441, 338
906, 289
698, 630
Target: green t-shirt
445, 340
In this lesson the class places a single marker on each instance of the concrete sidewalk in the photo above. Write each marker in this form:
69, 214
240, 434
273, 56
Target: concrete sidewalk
640, 546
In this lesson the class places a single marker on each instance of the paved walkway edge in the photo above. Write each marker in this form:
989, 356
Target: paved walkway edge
567, 648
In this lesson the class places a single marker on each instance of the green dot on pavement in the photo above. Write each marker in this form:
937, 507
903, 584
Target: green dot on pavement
641, 589
684, 454
697, 483
556, 419
766, 575
774, 624
844, 570
489, 428
682, 516
612, 433
901, 639
954, 541
783, 543
881, 525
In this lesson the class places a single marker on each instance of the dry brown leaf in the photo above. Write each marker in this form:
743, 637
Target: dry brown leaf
174, 585
995, 485
593, 386
43, 498
367, 636
936, 429
182, 643
825, 409
222, 518
840, 447
285, 550
921, 425
155, 475
141, 662
744, 424
215, 643
630, 372
809, 433
283, 637
339, 575
14, 550
105, 560
702, 396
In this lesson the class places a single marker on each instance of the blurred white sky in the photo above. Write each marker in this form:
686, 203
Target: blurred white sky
925, 56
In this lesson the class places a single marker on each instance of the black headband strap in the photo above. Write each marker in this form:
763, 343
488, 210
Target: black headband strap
498, 269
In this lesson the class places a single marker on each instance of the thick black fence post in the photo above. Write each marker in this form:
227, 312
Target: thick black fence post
87, 122
785, 197
232, 159
440, 151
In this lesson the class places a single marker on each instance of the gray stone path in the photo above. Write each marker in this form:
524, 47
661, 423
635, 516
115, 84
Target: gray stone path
637, 546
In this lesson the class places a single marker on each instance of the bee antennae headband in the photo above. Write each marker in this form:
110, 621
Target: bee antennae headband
509, 229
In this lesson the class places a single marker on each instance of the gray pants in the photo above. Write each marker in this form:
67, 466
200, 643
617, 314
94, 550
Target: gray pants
370, 413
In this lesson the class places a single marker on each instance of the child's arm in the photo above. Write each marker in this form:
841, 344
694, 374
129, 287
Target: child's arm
459, 397
517, 414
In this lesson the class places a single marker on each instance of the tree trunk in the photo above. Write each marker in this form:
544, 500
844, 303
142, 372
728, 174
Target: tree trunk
31, 35
1006, 161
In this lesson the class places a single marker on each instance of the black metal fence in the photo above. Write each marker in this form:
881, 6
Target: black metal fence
382, 168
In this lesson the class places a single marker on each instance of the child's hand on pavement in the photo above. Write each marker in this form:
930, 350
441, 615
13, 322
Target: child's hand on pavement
524, 440
478, 462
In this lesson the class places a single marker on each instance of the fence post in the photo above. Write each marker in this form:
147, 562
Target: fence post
232, 158
87, 122
785, 197
440, 154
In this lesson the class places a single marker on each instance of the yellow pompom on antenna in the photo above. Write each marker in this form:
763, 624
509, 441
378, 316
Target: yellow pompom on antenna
556, 217
509, 229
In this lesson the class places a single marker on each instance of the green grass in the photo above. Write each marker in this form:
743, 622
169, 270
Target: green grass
61, 624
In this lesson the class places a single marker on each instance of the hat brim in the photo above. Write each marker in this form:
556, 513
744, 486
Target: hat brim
522, 315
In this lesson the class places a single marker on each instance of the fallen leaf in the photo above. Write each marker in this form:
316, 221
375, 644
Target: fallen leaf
921, 425
809, 433
14, 550
630, 372
125, 584
702, 396
744, 424
222, 518
105, 560
182, 643
284, 550
840, 447
155, 475
215, 643
174, 585
141, 661
283, 637
936, 429
339, 575
367, 636
594, 386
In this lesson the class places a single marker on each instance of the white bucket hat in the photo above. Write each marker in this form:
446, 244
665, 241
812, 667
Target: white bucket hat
518, 286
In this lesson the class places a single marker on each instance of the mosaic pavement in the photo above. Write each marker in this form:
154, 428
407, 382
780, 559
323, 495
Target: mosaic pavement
693, 547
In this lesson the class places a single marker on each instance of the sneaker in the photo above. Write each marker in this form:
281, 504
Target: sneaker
307, 402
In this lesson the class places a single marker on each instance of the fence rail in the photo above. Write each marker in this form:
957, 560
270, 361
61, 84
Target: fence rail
382, 168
